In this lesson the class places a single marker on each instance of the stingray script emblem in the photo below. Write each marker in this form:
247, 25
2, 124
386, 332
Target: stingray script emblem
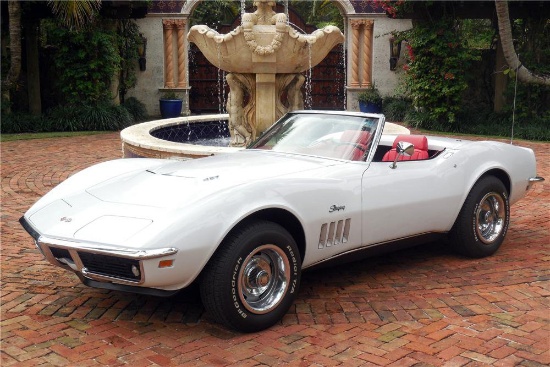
336, 208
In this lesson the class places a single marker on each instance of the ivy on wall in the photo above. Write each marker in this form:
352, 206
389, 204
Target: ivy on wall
85, 62
88, 60
436, 69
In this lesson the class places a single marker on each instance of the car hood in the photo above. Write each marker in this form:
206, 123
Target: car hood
180, 183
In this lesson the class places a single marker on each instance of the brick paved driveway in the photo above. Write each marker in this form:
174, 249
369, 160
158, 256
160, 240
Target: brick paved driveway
418, 307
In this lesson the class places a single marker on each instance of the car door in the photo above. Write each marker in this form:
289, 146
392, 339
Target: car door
416, 197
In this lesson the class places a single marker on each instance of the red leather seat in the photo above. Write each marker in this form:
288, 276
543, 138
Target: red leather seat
420, 143
354, 144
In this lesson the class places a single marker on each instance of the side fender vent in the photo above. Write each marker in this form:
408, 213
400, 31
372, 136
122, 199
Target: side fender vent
334, 233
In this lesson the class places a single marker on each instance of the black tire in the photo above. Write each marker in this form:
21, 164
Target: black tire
253, 279
483, 221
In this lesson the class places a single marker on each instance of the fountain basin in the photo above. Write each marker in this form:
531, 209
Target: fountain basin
138, 140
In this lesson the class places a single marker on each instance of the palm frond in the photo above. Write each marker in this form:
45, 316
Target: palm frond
75, 13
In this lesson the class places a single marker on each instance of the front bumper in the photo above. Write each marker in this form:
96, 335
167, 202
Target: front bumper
536, 179
98, 263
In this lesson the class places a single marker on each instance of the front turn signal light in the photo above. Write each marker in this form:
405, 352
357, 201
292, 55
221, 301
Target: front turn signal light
166, 263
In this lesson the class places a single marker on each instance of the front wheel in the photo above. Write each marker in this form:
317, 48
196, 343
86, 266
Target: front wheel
252, 280
483, 221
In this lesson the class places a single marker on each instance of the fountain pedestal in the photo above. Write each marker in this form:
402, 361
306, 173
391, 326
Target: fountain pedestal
265, 98
264, 57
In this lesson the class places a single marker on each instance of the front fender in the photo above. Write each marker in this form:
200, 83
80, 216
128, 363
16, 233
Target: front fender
198, 233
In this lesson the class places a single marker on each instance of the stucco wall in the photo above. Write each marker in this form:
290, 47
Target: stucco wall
386, 80
151, 80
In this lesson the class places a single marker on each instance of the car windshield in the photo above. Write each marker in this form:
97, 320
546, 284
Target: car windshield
342, 136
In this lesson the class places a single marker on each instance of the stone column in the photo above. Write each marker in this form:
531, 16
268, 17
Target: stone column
355, 30
367, 54
180, 25
168, 53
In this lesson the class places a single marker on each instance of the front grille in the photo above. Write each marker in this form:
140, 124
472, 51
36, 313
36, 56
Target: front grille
60, 253
110, 266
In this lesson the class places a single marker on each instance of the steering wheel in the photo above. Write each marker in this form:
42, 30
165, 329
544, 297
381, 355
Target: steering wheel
355, 145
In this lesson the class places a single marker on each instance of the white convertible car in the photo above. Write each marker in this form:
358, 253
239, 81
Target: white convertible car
315, 187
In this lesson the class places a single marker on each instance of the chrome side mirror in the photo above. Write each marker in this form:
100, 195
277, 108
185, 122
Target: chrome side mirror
402, 148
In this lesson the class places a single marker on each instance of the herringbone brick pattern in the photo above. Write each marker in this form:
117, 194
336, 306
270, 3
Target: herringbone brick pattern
419, 307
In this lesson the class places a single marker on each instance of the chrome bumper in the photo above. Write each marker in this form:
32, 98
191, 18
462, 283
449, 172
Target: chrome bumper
88, 259
536, 179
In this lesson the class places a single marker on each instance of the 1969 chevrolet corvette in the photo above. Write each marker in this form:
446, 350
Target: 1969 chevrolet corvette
315, 187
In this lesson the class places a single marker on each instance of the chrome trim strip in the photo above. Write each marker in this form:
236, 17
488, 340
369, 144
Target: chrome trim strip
536, 179
108, 250
105, 278
95, 248
126, 287
370, 246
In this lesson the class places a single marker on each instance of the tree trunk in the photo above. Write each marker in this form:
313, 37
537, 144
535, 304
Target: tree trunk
501, 80
14, 12
505, 33
33, 66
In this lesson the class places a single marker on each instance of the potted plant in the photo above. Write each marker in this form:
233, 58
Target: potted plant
370, 100
170, 105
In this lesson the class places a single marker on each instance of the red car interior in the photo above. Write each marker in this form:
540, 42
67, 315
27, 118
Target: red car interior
420, 143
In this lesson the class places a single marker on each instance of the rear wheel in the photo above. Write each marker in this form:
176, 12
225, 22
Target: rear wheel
483, 221
251, 282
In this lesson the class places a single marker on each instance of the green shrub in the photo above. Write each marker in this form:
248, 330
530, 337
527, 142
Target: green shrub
396, 108
16, 123
102, 117
65, 118
136, 108
105, 117
122, 118
483, 121
370, 95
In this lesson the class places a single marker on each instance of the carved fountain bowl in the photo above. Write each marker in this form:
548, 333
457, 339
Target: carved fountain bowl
269, 52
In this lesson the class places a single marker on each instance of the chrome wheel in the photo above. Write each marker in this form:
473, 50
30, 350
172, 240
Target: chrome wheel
490, 217
264, 279
482, 223
253, 278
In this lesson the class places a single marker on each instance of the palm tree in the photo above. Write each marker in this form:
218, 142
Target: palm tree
505, 33
14, 12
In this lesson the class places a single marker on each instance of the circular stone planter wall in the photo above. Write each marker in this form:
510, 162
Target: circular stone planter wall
137, 141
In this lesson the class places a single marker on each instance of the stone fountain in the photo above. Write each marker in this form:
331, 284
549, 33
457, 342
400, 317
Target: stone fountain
264, 57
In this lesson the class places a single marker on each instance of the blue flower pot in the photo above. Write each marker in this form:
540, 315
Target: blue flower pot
369, 107
170, 108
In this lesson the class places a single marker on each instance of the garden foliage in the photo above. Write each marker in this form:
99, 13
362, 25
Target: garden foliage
444, 61
85, 63
83, 71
